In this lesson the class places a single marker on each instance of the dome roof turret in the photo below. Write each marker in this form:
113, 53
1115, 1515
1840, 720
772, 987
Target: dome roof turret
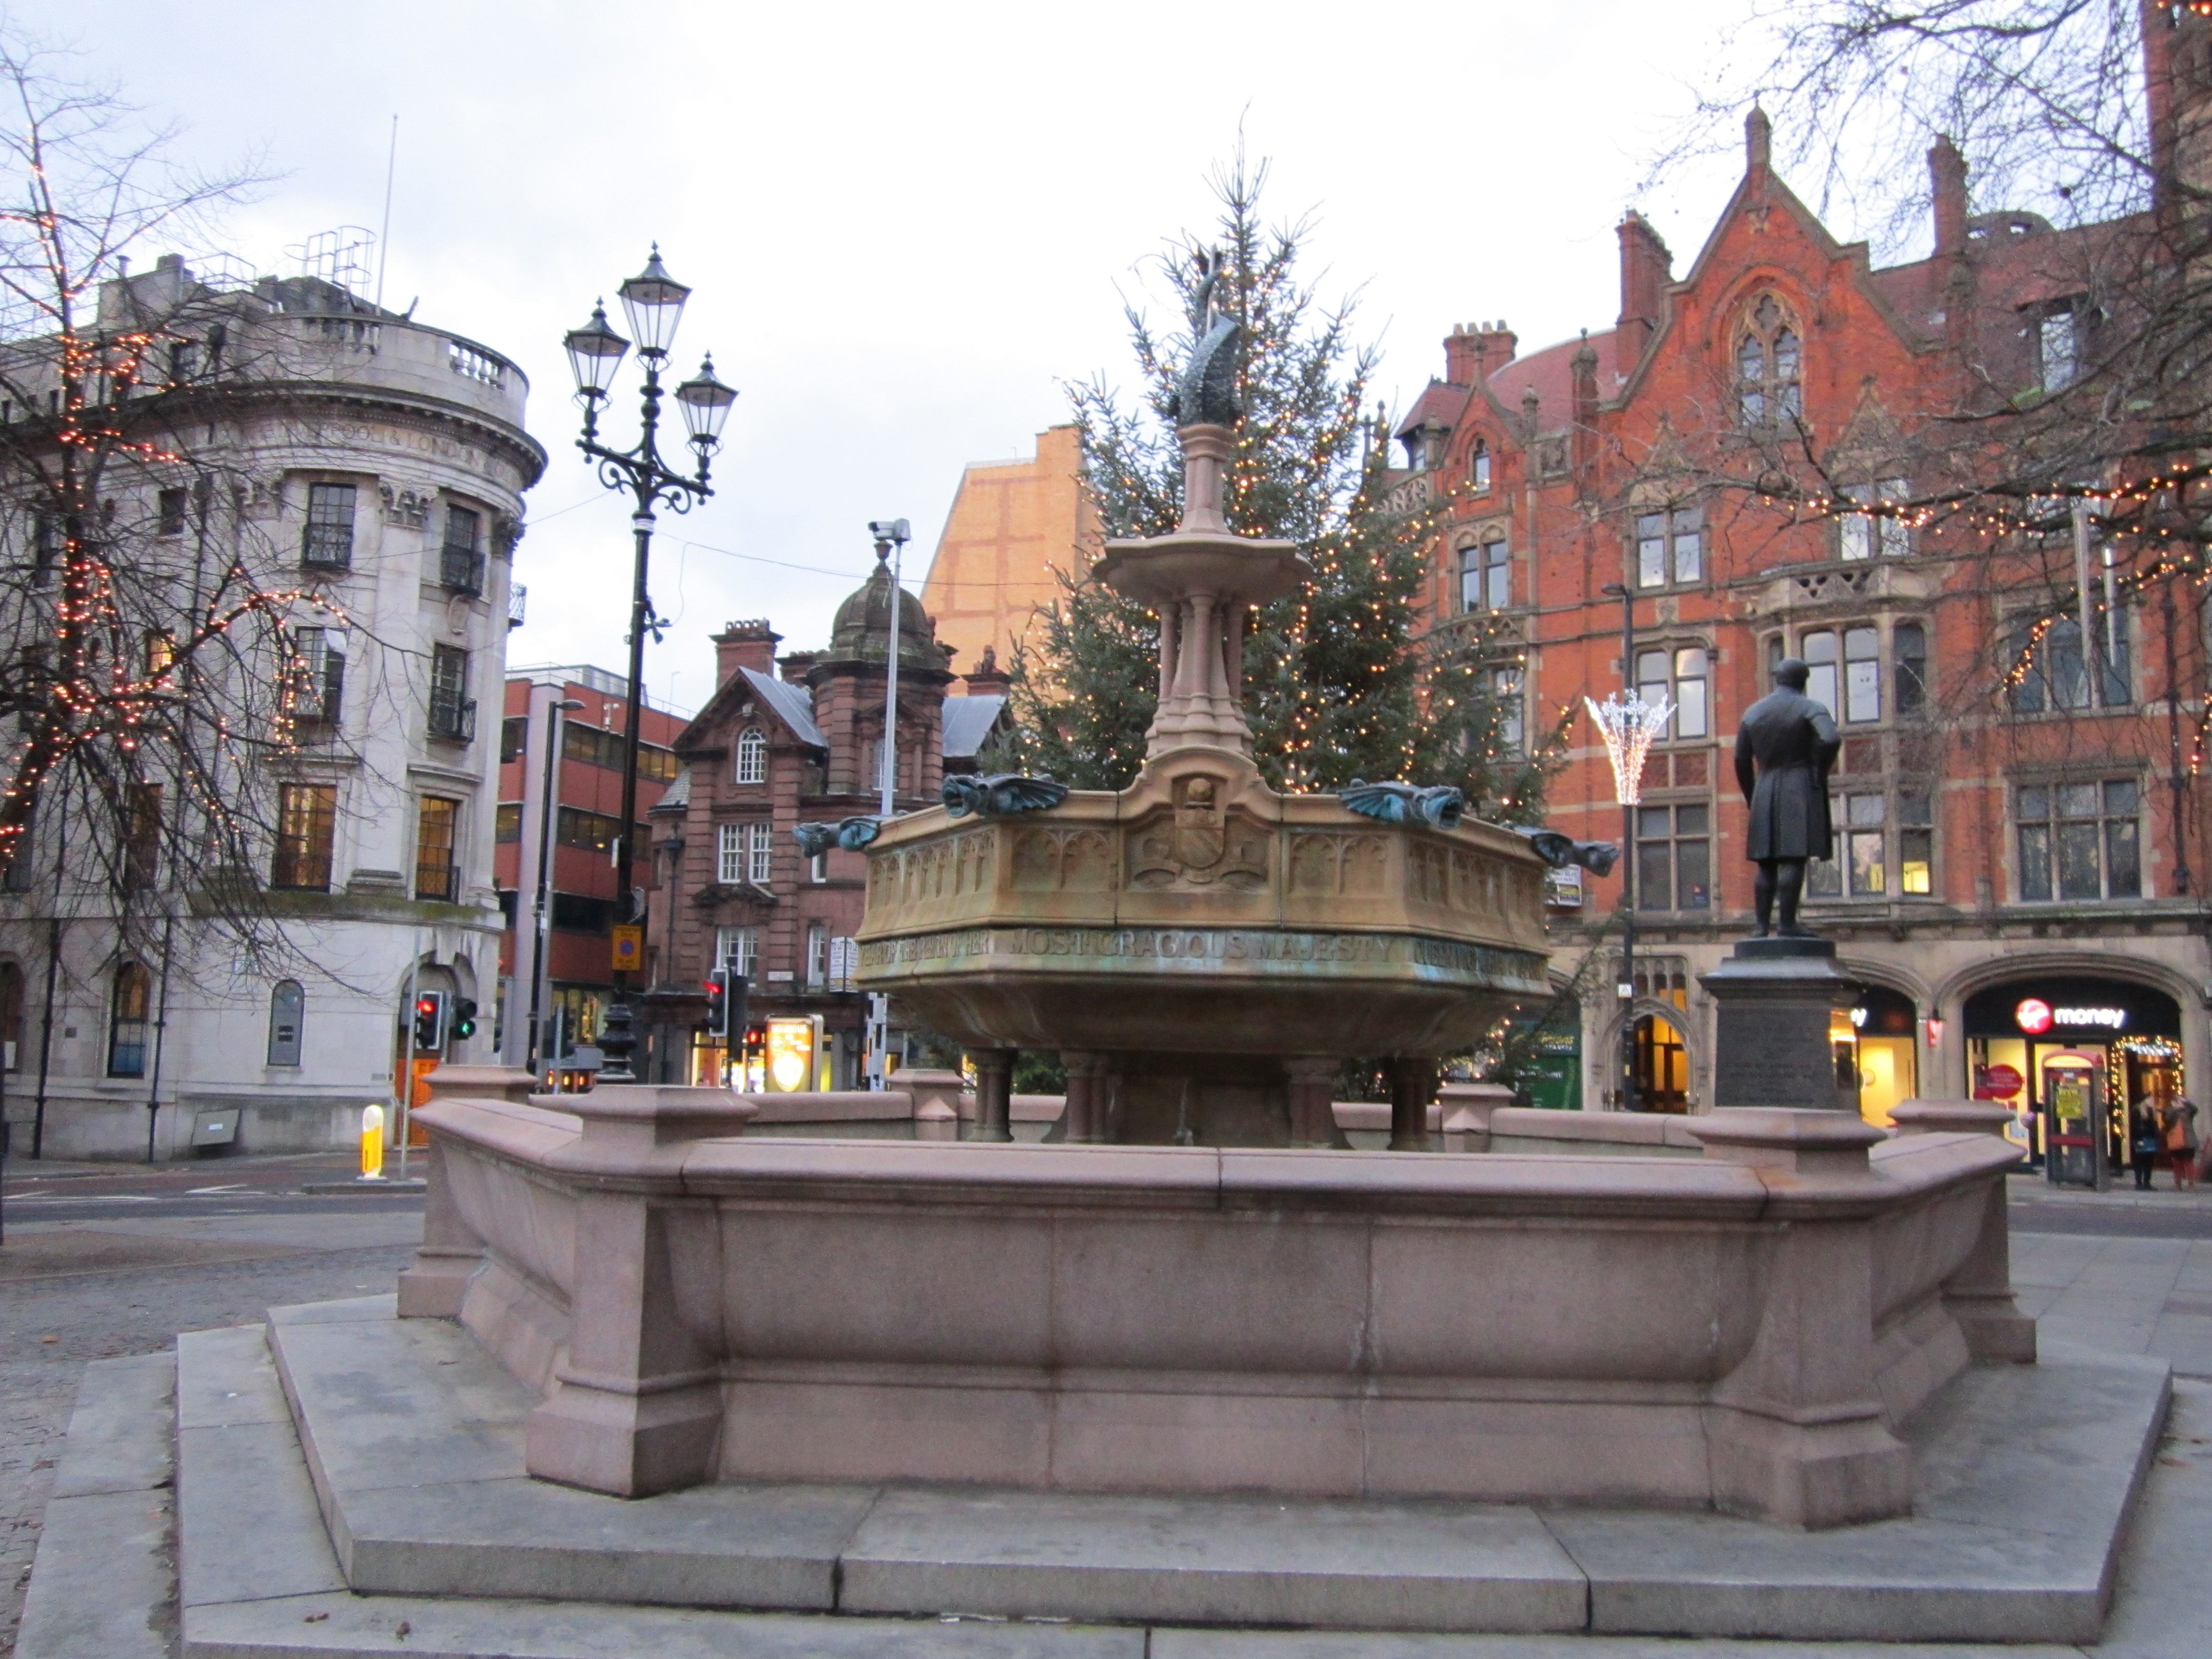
864, 619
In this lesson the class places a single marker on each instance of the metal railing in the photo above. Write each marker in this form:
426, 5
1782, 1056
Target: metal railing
452, 718
461, 569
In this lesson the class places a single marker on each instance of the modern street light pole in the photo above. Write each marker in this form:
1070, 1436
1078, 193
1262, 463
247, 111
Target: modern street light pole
541, 901
891, 536
652, 301
1625, 989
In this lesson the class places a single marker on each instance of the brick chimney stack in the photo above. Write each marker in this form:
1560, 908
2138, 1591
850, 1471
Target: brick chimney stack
2177, 80
1473, 354
1947, 172
1646, 267
1460, 348
744, 645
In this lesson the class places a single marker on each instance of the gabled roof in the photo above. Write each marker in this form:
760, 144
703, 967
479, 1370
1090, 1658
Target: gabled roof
968, 723
792, 704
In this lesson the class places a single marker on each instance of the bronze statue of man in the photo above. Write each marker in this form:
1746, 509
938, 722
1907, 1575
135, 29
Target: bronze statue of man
1783, 753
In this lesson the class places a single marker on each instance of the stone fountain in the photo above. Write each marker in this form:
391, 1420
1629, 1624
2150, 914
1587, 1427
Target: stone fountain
1200, 1293
1204, 951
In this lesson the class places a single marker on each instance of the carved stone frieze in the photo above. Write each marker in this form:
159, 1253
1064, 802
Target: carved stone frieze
1330, 865
1062, 861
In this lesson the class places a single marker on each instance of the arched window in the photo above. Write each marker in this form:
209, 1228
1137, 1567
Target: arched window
128, 1014
11, 1016
1478, 467
752, 757
287, 1007
1769, 367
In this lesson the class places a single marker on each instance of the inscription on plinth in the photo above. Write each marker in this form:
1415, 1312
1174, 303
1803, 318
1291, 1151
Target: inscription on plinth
1773, 1011
1208, 949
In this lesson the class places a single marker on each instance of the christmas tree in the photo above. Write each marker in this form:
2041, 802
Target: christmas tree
1342, 682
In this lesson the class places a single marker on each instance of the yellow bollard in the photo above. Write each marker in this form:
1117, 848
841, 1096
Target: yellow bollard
371, 1143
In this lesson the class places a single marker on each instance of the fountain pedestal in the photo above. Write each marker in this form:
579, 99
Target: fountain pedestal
1202, 950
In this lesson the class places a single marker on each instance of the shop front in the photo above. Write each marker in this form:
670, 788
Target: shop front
1877, 1054
2080, 1060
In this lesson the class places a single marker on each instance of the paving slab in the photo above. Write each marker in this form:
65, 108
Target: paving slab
101, 1581
363, 1627
2162, 1607
2026, 1475
227, 1377
1172, 1644
118, 1440
1373, 1566
247, 1522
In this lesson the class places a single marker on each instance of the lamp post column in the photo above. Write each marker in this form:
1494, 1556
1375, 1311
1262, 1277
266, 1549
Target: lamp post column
618, 1030
653, 301
541, 899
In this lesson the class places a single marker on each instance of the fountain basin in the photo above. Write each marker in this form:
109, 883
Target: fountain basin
1742, 1331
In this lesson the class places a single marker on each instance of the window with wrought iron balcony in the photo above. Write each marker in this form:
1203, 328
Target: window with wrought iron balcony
453, 711
461, 559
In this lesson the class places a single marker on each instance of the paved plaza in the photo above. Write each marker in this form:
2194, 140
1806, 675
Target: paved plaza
115, 1263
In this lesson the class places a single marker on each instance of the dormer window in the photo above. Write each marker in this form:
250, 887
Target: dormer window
1478, 468
1768, 367
752, 757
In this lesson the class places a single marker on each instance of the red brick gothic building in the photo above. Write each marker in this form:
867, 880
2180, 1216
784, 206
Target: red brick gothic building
2012, 830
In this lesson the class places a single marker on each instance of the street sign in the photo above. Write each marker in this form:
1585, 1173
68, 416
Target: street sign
844, 957
629, 947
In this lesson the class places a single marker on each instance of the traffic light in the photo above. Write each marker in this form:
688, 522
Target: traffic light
430, 1021
465, 1017
739, 1020
718, 1003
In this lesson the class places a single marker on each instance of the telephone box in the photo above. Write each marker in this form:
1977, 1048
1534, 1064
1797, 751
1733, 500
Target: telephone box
2073, 1119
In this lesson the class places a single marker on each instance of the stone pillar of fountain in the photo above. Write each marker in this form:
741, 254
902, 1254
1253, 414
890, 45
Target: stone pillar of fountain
1201, 580
994, 1082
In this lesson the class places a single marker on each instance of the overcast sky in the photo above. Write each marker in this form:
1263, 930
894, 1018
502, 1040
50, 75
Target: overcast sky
906, 224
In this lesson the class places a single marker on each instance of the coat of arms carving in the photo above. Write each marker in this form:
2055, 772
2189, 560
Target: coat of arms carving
1199, 842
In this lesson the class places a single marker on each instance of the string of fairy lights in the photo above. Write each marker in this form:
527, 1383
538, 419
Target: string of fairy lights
103, 687
2048, 510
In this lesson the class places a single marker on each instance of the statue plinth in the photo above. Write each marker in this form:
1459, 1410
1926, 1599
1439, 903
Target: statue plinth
1775, 999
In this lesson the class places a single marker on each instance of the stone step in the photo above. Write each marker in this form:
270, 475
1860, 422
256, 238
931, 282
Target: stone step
2014, 1463
2026, 1474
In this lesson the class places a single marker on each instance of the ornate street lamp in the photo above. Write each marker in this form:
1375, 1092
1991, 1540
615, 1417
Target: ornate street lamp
652, 303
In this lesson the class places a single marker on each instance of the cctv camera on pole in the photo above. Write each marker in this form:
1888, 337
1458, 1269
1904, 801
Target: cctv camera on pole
891, 536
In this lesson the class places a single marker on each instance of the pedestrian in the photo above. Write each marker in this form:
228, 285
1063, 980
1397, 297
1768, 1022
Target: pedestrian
2144, 1143
2181, 1143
